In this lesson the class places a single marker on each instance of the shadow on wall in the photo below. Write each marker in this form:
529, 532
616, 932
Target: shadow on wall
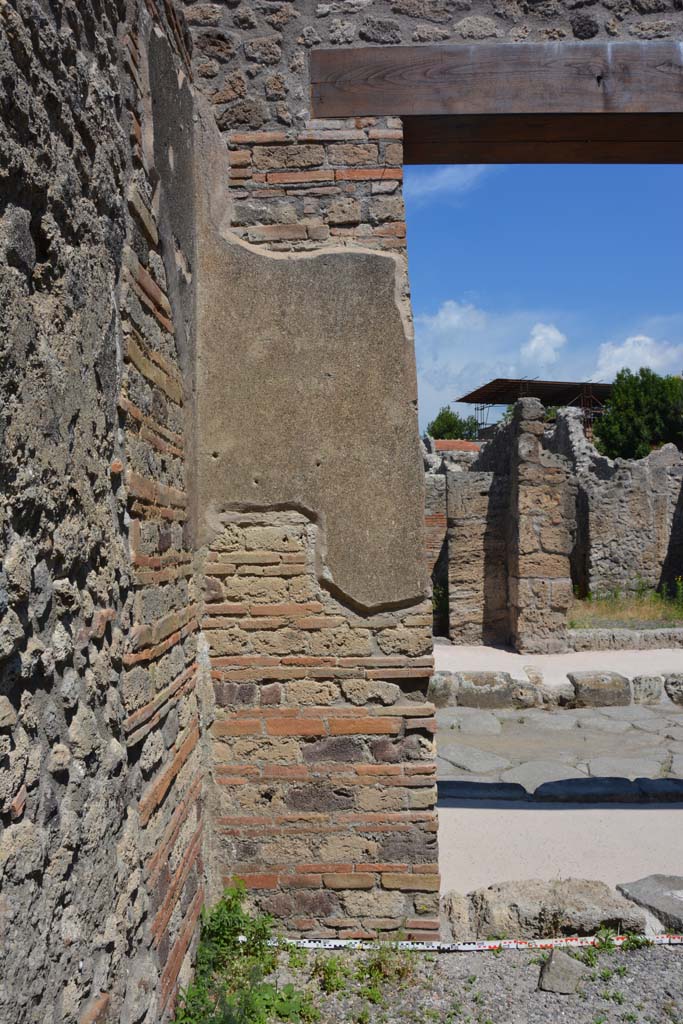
579, 557
496, 620
672, 569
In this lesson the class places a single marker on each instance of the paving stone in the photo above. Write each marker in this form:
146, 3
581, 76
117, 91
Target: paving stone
592, 791
633, 713
625, 767
562, 974
600, 689
466, 789
661, 790
677, 766
601, 723
549, 721
470, 758
478, 723
535, 773
662, 895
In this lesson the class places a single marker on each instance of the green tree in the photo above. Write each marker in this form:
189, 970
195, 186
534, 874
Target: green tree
644, 411
449, 426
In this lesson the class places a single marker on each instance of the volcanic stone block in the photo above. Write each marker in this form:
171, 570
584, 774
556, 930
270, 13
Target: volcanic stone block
562, 974
647, 689
662, 895
600, 689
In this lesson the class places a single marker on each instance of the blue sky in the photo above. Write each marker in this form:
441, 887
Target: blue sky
559, 272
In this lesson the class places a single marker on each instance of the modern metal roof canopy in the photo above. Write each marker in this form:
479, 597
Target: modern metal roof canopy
505, 391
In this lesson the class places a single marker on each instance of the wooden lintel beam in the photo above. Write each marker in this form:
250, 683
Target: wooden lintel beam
539, 138
499, 78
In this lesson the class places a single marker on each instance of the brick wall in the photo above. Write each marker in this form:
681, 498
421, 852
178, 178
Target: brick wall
322, 749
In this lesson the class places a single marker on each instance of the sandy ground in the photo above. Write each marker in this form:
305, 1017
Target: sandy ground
452, 658
482, 843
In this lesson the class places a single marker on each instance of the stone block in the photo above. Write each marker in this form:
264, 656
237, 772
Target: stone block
600, 689
674, 687
562, 974
661, 895
647, 689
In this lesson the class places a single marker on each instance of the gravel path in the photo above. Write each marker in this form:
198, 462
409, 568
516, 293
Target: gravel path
640, 986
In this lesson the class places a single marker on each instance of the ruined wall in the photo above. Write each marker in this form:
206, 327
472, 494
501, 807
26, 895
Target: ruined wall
100, 788
478, 505
540, 538
510, 534
629, 514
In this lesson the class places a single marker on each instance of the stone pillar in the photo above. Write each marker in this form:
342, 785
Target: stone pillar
540, 537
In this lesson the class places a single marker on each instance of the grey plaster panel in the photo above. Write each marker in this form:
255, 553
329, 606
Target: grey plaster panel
307, 398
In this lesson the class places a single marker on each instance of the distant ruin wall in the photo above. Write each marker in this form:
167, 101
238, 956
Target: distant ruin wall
541, 513
510, 534
629, 514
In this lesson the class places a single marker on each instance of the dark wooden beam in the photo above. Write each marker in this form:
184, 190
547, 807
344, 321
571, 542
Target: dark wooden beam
499, 78
541, 138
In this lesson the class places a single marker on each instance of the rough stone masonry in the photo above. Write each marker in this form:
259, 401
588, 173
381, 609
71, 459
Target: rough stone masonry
200, 673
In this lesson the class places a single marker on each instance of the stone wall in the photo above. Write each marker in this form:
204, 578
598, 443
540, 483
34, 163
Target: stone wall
629, 514
510, 534
100, 779
541, 525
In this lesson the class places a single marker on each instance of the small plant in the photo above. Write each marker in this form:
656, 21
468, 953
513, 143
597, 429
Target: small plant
587, 956
605, 974
633, 941
233, 958
332, 972
363, 1016
604, 939
385, 962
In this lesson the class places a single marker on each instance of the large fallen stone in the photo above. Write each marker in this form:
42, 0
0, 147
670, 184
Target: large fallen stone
599, 689
662, 895
562, 974
485, 689
539, 909
674, 687
443, 689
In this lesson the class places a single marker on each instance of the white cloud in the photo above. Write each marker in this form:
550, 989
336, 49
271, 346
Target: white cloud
636, 351
420, 184
543, 347
462, 346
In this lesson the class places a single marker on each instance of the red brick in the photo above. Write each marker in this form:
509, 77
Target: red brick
369, 174
260, 881
295, 177
411, 883
358, 726
381, 867
348, 880
301, 881
295, 727
237, 727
